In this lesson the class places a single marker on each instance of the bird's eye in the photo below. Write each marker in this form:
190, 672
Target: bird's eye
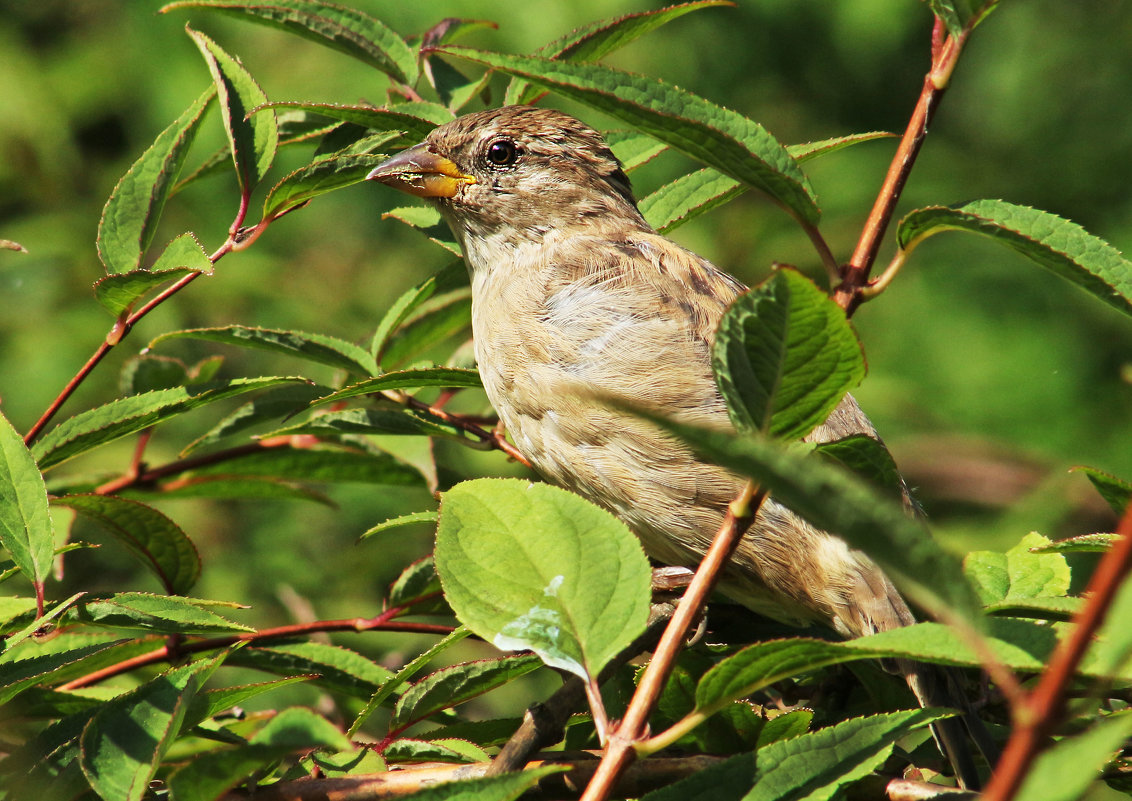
502, 153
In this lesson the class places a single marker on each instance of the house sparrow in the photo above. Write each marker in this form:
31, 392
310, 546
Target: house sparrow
575, 295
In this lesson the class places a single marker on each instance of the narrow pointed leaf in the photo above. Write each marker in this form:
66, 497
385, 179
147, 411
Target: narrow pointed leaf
209, 775
318, 348
427, 220
416, 582
253, 139
318, 464
784, 356
126, 416
318, 178
378, 119
335, 668
811, 766
403, 675
153, 538
433, 323
344, 29
1082, 543
716, 136
334, 425
506, 787
840, 503
17, 675
168, 614
633, 149
407, 379
272, 405
598, 39
456, 684
1061, 246
413, 518
124, 742
1064, 771
533, 566
51, 613
130, 216
453, 276
868, 458
1116, 491
26, 530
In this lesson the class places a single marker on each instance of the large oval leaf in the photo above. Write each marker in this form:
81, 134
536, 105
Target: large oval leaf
530, 566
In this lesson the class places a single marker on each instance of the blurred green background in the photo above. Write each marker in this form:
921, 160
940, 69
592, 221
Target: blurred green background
989, 378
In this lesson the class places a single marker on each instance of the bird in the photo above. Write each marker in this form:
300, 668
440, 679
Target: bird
576, 297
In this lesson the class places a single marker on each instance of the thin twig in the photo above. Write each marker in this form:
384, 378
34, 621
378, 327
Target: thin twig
1044, 708
382, 622
633, 728
856, 273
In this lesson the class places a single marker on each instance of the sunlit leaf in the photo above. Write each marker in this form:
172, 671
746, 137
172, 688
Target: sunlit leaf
26, 530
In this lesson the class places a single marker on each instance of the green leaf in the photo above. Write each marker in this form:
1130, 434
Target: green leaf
428, 516
17, 675
394, 683
688, 197
1116, 491
124, 742
457, 684
242, 487
453, 276
426, 219
274, 404
346, 30
148, 371
1044, 608
633, 149
51, 613
406, 379
334, 425
318, 348
26, 530
126, 416
1018, 574
253, 139
697, 192
784, 356
443, 317
209, 775
212, 702
336, 668
377, 119
1061, 246
716, 136
153, 538
416, 581
842, 504
183, 252
318, 464
868, 458
169, 614
117, 293
1064, 771
598, 39
130, 216
413, 750
318, 178
533, 566
1083, 543
809, 766
961, 15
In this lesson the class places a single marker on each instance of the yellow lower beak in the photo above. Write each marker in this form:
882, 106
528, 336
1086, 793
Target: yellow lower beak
421, 172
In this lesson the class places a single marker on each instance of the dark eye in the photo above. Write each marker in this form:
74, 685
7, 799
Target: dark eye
502, 153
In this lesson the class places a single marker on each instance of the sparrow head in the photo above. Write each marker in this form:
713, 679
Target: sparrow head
516, 168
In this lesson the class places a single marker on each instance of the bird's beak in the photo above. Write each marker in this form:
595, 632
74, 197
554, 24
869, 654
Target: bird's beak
421, 172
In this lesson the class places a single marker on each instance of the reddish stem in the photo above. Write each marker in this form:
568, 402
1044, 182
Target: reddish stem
382, 622
1044, 708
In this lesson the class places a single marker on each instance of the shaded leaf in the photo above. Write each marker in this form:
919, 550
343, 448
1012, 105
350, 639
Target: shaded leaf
868, 458
169, 614
153, 538
336, 668
212, 702
130, 216
530, 566
1061, 246
451, 277
716, 136
334, 425
319, 348
426, 219
272, 405
253, 139
124, 742
784, 356
344, 29
26, 530
1064, 771
456, 684
209, 775
1116, 491
598, 39
434, 322
318, 464
961, 15
125, 416
377, 119
406, 379
395, 682
318, 178
17, 675
416, 581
